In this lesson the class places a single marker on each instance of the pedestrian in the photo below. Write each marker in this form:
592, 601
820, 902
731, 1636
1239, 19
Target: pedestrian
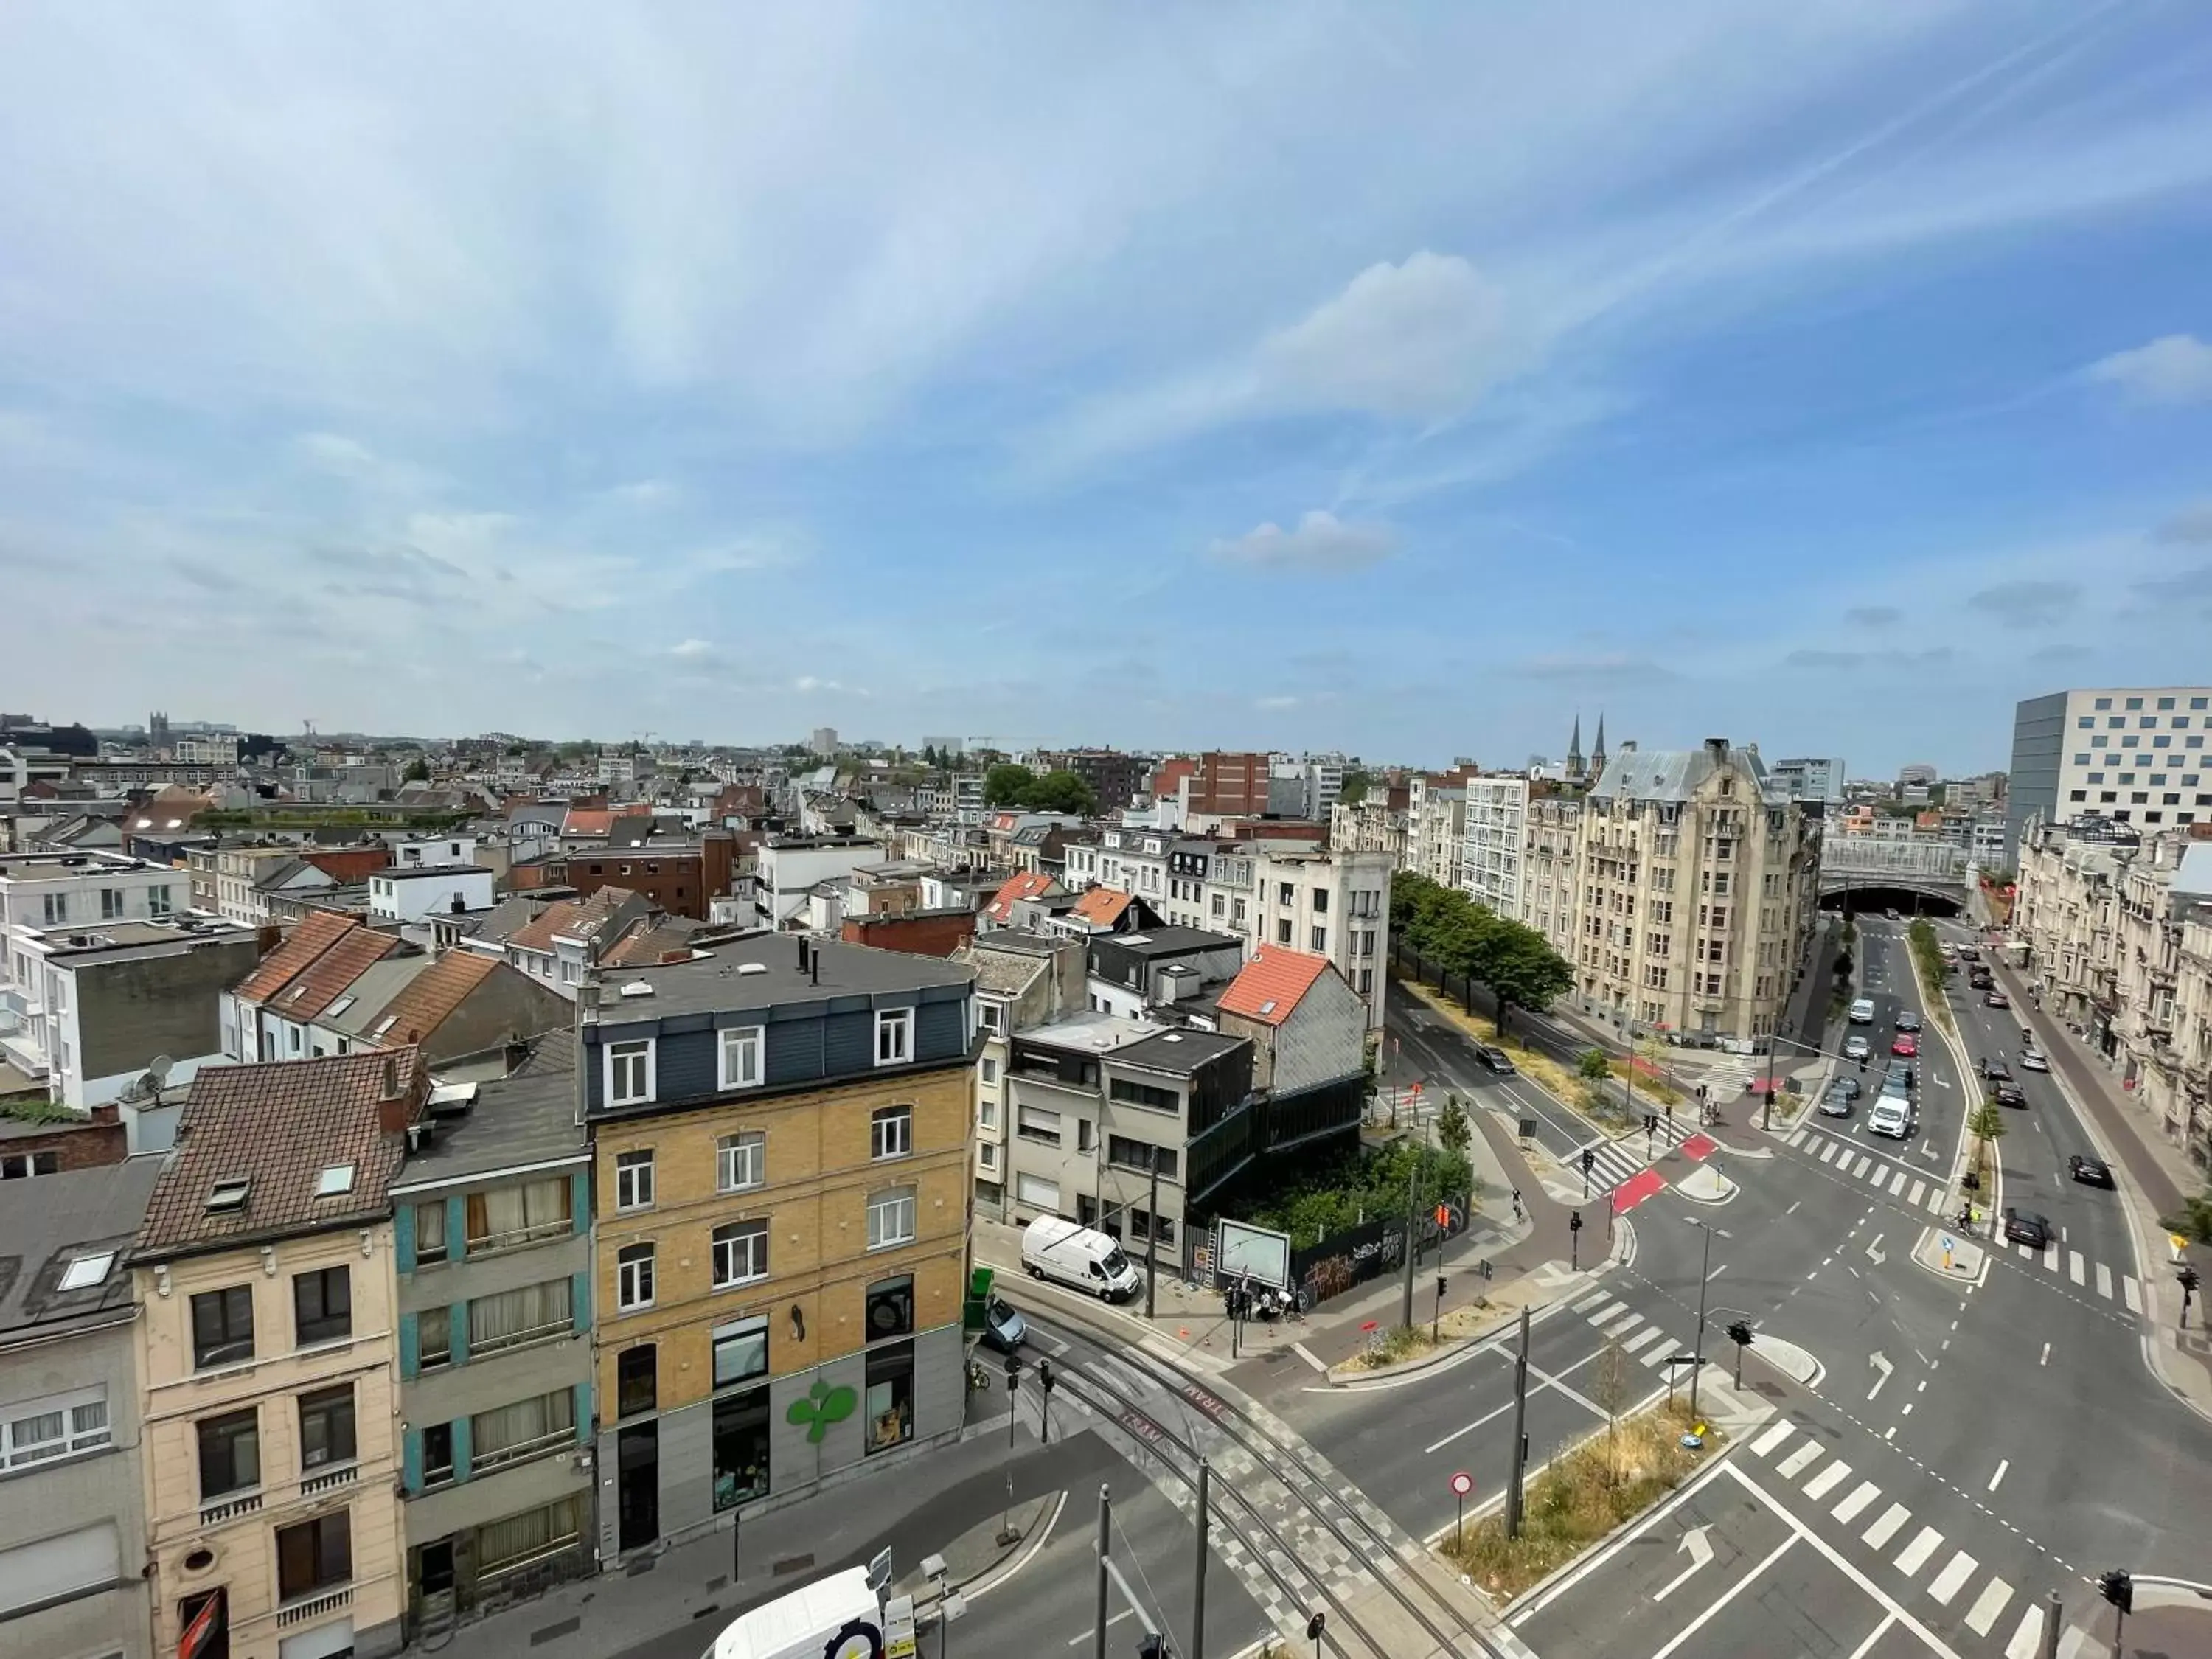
1516, 1203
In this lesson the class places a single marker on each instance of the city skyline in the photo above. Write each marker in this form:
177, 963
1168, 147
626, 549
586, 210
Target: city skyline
1409, 382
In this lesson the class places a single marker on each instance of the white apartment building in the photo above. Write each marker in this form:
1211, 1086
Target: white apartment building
412, 894
2132, 753
1816, 778
1367, 826
1435, 824
1331, 904
1135, 862
1551, 879
1699, 880
1494, 843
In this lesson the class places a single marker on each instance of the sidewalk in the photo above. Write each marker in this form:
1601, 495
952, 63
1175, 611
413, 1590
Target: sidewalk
2151, 1172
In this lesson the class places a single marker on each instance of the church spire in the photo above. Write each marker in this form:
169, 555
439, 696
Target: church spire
1575, 748
1597, 752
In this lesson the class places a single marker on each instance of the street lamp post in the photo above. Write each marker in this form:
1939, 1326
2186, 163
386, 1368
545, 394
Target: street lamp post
1704, 1279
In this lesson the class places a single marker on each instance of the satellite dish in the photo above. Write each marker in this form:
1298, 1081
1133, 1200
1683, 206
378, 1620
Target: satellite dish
158, 1069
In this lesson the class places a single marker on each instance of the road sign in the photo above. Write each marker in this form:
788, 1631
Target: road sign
1461, 1484
1528, 1128
1413, 1088
2180, 1242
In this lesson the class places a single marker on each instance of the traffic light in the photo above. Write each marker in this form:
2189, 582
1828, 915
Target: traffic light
1590, 1159
2188, 1278
1153, 1646
2117, 1588
1740, 1334
1651, 1122
1575, 1221
1045, 1378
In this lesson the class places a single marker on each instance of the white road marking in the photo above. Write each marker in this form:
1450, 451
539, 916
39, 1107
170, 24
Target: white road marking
1658, 1356
1792, 1210
1877, 1174
1917, 1552
1648, 1334
1874, 1635
1862, 1495
1798, 1139
2045, 1360
1495, 1410
1798, 1461
1613, 1307
1827, 1481
2027, 1641
1886, 1529
1626, 1324
1727, 1595
1919, 1191
2026, 1255
2002, 1465
1947, 1582
2051, 1257
1897, 1185
1987, 1606
1078, 1641
1590, 1301
1716, 1273
1861, 1168
2128, 1289
1774, 1438
2104, 1281
2074, 1266
1829, 1150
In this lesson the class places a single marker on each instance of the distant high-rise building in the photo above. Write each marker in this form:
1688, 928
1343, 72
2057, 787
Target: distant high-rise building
2133, 754
825, 740
1816, 778
1917, 772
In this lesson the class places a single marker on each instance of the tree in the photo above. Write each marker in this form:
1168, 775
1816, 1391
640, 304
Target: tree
1613, 1385
1454, 1132
1594, 1065
1060, 791
418, 771
1006, 784
2194, 1222
1524, 971
1353, 790
1986, 1123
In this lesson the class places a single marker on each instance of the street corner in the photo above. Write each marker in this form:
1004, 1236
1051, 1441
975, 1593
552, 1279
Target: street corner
1949, 1255
1706, 1185
1788, 1360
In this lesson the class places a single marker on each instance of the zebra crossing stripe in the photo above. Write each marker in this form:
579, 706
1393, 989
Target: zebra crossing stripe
2051, 1257
2027, 1640
1657, 1356
1774, 1437
1648, 1334
2104, 1281
2134, 1296
1827, 1481
1897, 1185
1953, 1576
1862, 1495
1590, 1301
1796, 1463
1829, 1149
1798, 1139
1919, 1191
1987, 1606
2074, 1266
1917, 1552
1886, 1529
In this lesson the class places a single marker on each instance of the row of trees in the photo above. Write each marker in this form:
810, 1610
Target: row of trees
1009, 784
1515, 961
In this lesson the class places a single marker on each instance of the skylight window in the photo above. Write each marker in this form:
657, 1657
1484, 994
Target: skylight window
340, 1005
228, 1197
334, 1181
87, 1271
384, 1024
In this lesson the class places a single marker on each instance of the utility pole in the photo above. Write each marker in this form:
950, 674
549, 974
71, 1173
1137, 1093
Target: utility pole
1198, 1573
2049, 1649
1105, 1537
1152, 1235
1520, 1460
1412, 1221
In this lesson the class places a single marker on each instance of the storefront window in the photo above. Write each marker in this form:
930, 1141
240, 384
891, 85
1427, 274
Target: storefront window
889, 1403
741, 1424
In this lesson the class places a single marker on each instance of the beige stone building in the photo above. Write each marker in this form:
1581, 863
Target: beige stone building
1681, 888
265, 1361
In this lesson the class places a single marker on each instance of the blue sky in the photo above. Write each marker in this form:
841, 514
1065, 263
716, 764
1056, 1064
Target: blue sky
1399, 379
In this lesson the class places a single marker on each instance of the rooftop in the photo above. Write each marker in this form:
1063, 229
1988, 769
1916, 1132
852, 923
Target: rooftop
1172, 941
1272, 983
315, 934
424, 1003
762, 971
1179, 1052
52, 1221
527, 1117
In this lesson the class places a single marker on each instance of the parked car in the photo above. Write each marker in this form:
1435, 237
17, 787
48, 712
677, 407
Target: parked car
1003, 1329
1053, 1247
1856, 1048
1907, 1044
2089, 1171
1996, 1070
2033, 1060
2011, 1094
1494, 1059
2027, 1227
1969, 953
1907, 1020
1890, 916
1994, 998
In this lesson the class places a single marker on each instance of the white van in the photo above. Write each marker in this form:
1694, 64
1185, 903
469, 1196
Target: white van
1053, 1247
1892, 1117
1862, 1011
842, 1614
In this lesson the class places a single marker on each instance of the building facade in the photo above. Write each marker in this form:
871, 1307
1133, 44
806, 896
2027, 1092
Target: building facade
1494, 843
2136, 755
1820, 779
781, 1143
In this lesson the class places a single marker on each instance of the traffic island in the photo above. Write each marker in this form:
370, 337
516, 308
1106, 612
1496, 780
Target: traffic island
1706, 1185
1582, 1496
1948, 1254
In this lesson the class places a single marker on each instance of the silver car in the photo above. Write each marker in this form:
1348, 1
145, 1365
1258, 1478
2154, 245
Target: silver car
1856, 1048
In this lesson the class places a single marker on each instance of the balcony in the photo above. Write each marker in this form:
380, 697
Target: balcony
230, 1507
329, 1479
554, 1440
480, 1346
494, 1243
315, 1606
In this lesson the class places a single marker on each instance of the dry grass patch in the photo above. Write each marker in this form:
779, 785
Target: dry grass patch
1580, 1498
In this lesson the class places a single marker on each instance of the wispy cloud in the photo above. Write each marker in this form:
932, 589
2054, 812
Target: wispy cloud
2175, 368
1874, 615
1321, 544
2027, 604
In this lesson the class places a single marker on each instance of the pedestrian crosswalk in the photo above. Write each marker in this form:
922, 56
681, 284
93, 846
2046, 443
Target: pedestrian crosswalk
1897, 1179
1612, 1162
1638, 1337
1807, 1464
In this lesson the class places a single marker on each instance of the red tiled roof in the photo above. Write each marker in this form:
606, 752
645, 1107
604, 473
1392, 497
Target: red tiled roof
425, 1001
324, 978
1028, 886
538, 934
278, 1126
1271, 984
1101, 905
302, 946
587, 821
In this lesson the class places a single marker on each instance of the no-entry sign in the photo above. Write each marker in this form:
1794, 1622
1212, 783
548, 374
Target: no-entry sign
1461, 1484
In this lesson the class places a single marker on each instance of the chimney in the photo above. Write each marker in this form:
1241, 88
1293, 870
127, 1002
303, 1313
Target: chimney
1717, 748
802, 953
817, 966
394, 1109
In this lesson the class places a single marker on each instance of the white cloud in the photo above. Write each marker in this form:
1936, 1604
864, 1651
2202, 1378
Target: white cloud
2176, 368
1323, 542
689, 649
811, 683
1412, 342
1271, 703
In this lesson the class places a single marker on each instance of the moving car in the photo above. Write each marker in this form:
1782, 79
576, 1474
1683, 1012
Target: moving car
1053, 1247
1003, 1329
1969, 953
1994, 998
1907, 1020
1996, 1070
1835, 1103
1863, 1012
1856, 1048
1979, 979
1890, 916
1907, 1045
1892, 1115
2089, 1171
2011, 1094
1901, 1077
2033, 1060
1847, 1086
843, 1614
2027, 1227
1494, 1059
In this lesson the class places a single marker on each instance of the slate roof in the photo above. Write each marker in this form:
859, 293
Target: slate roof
1101, 906
316, 933
326, 978
1272, 983
527, 1118
508, 918
51, 1220
1674, 775
372, 992
426, 1001
649, 945
278, 1126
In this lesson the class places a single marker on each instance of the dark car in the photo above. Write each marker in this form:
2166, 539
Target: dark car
2009, 1093
1836, 1103
1907, 1020
1979, 978
1994, 998
1901, 1075
2026, 1227
1003, 1327
1968, 953
2089, 1171
1846, 1086
1996, 1071
1494, 1059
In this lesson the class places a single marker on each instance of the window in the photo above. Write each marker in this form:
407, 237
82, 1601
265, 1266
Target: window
741, 1350
990, 1017
1320, 941
637, 1380
326, 1427
629, 1073
1036, 1193
2084, 722
633, 1277
741, 1056
1283, 927
223, 1327
634, 1180
1366, 981
230, 1454
1220, 906
530, 1536
84, 1272
56, 907
989, 1071
894, 1036
429, 1232
986, 1154
1083, 1134
58, 1426
437, 1452
1126, 1093
741, 1161
2134, 702
322, 1306
1320, 900
740, 1253
111, 903
1034, 1123
512, 1318
433, 1339
891, 1217
2078, 794
1285, 893
891, 1132
741, 1444
315, 1556
505, 1216
1128, 1154
2081, 759
511, 1433
157, 901
888, 1405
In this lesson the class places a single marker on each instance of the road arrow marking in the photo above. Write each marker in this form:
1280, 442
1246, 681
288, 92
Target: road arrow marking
1700, 1549
1873, 1251
1880, 1363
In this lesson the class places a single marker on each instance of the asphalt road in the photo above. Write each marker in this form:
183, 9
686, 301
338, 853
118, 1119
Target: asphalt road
1431, 1049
